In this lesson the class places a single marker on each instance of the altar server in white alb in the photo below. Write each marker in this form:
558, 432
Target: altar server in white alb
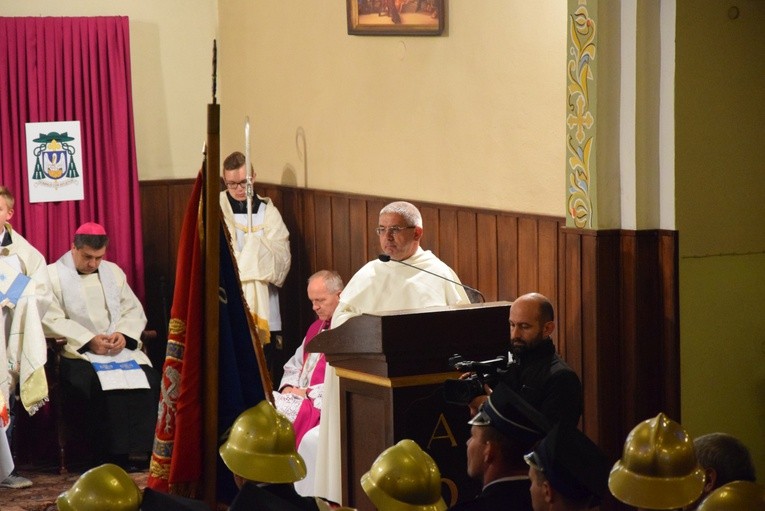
101, 319
383, 286
261, 249
24, 298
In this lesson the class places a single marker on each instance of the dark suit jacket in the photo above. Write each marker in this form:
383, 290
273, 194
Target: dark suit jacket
544, 380
271, 497
158, 501
504, 495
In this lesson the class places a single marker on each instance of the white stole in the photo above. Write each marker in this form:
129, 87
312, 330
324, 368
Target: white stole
73, 294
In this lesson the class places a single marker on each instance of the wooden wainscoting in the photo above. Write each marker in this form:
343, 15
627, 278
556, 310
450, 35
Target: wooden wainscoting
163, 204
614, 292
621, 331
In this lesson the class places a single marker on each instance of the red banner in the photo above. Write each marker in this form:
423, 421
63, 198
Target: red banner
176, 461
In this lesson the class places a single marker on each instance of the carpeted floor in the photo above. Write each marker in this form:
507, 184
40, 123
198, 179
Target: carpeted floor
47, 486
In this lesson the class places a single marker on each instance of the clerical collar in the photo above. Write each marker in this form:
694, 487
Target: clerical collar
240, 206
83, 273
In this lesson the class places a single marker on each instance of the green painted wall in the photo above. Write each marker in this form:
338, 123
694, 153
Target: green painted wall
720, 207
723, 348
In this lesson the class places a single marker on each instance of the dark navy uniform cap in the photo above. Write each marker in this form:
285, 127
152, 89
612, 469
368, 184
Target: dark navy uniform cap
511, 415
572, 463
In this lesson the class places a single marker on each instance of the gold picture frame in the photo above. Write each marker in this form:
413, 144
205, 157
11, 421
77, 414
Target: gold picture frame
395, 17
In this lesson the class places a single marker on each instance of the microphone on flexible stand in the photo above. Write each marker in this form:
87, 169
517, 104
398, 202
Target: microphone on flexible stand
472, 292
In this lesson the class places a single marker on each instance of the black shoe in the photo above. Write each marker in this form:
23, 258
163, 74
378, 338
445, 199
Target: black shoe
137, 464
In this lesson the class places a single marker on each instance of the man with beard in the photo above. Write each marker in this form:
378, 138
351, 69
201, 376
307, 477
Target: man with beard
536, 372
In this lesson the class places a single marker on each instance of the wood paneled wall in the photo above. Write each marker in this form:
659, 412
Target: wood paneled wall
620, 305
614, 292
163, 204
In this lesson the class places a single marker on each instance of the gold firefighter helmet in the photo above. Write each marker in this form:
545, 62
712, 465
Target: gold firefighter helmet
104, 487
404, 478
658, 469
735, 496
261, 447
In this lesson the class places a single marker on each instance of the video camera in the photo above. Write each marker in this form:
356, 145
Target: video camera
463, 391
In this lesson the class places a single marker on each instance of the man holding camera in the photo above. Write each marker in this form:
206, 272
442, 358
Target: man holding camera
537, 373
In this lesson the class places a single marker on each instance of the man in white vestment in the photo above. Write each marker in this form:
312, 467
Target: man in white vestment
383, 286
261, 248
24, 298
301, 390
102, 363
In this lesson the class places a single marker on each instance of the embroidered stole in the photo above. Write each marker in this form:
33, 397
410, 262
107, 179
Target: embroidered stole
75, 299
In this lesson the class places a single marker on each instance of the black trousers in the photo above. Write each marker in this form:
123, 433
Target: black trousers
116, 422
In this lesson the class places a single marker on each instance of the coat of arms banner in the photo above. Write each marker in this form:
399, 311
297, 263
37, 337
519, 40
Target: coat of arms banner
54, 162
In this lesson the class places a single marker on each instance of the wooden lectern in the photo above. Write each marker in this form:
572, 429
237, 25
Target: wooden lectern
392, 366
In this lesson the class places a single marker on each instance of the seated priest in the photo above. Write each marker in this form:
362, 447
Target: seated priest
302, 386
102, 363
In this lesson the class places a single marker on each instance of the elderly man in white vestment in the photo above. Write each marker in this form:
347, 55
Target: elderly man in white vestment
301, 390
383, 286
103, 364
302, 387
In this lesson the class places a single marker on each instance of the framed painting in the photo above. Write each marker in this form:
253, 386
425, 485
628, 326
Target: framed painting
395, 17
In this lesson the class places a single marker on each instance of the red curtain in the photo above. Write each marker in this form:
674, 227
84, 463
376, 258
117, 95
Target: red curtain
73, 69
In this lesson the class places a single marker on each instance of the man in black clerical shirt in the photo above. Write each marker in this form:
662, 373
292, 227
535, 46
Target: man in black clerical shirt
536, 372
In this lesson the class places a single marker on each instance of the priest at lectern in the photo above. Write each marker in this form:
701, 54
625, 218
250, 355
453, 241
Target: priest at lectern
405, 277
